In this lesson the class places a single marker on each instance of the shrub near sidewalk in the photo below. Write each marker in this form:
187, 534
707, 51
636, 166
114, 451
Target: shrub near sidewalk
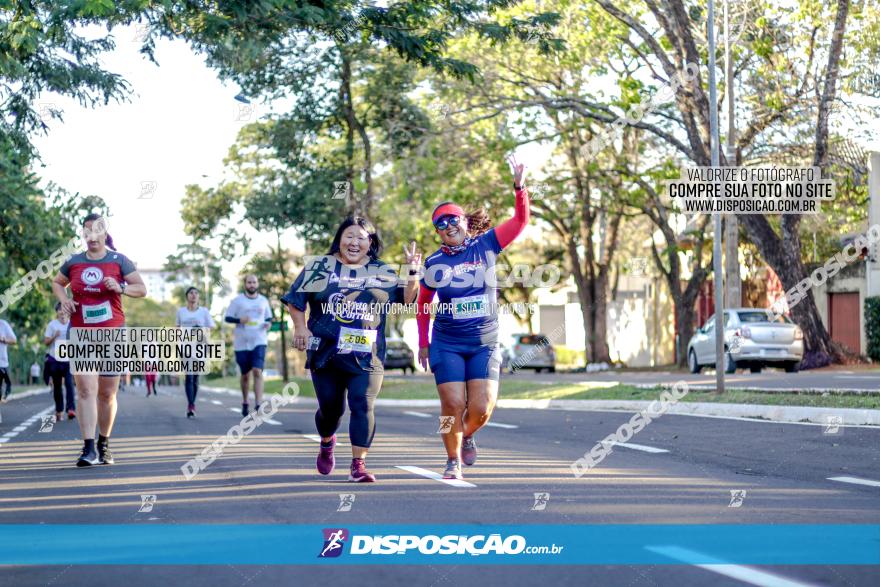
872, 327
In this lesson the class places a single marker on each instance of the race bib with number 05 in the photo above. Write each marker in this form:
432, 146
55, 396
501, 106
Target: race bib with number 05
356, 339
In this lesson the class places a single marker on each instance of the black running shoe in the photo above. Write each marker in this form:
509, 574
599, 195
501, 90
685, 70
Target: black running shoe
244, 410
105, 455
88, 458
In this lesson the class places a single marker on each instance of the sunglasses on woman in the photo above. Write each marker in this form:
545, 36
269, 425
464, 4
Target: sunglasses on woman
446, 222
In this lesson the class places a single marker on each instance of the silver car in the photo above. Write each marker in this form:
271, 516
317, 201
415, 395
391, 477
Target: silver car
753, 338
532, 351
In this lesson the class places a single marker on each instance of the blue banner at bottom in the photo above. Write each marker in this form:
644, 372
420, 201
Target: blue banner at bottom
624, 544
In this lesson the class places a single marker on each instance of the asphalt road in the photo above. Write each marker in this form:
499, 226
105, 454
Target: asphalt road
269, 478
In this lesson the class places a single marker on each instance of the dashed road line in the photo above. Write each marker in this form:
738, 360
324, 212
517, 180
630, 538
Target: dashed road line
435, 476
418, 414
749, 575
856, 481
266, 420
24, 425
640, 447
500, 425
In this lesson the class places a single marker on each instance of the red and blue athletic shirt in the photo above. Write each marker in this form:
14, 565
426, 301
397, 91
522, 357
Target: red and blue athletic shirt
466, 286
347, 310
97, 306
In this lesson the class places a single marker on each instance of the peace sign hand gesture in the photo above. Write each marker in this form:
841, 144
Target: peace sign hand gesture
412, 254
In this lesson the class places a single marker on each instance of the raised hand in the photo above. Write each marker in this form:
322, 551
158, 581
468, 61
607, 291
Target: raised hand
412, 254
518, 170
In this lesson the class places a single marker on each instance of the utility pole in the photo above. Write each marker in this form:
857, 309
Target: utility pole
731, 228
715, 143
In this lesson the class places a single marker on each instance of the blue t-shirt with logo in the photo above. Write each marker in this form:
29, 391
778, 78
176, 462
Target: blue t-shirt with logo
347, 310
467, 292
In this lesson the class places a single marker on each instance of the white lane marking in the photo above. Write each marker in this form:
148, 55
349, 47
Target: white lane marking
216, 402
418, 414
435, 476
640, 447
314, 437
499, 425
856, 481
28, 393
266, 420
24, 425
749, 575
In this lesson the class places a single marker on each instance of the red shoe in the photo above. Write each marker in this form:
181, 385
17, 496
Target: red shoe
326, 461
71, 414
359, 473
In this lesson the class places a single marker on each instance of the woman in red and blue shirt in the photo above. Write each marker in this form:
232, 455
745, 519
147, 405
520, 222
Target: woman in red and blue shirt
463, 350
98, 278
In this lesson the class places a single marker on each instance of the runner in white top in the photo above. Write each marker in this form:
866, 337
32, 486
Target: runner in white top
252, 317
59, 371
193, 316
7, 337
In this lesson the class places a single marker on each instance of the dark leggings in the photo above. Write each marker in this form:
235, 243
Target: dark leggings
4, 378
363, 387
60, 373
191, 385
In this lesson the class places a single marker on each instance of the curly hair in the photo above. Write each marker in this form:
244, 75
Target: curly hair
478, 222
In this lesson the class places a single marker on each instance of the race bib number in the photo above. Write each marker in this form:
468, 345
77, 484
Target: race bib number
97, 313
356, 339
470, 307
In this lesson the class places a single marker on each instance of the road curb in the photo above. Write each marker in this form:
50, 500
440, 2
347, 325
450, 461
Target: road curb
758, 412
790, 414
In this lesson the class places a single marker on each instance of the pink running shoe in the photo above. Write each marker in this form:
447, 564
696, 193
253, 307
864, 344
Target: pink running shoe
359, 473
468, 451
326, 461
